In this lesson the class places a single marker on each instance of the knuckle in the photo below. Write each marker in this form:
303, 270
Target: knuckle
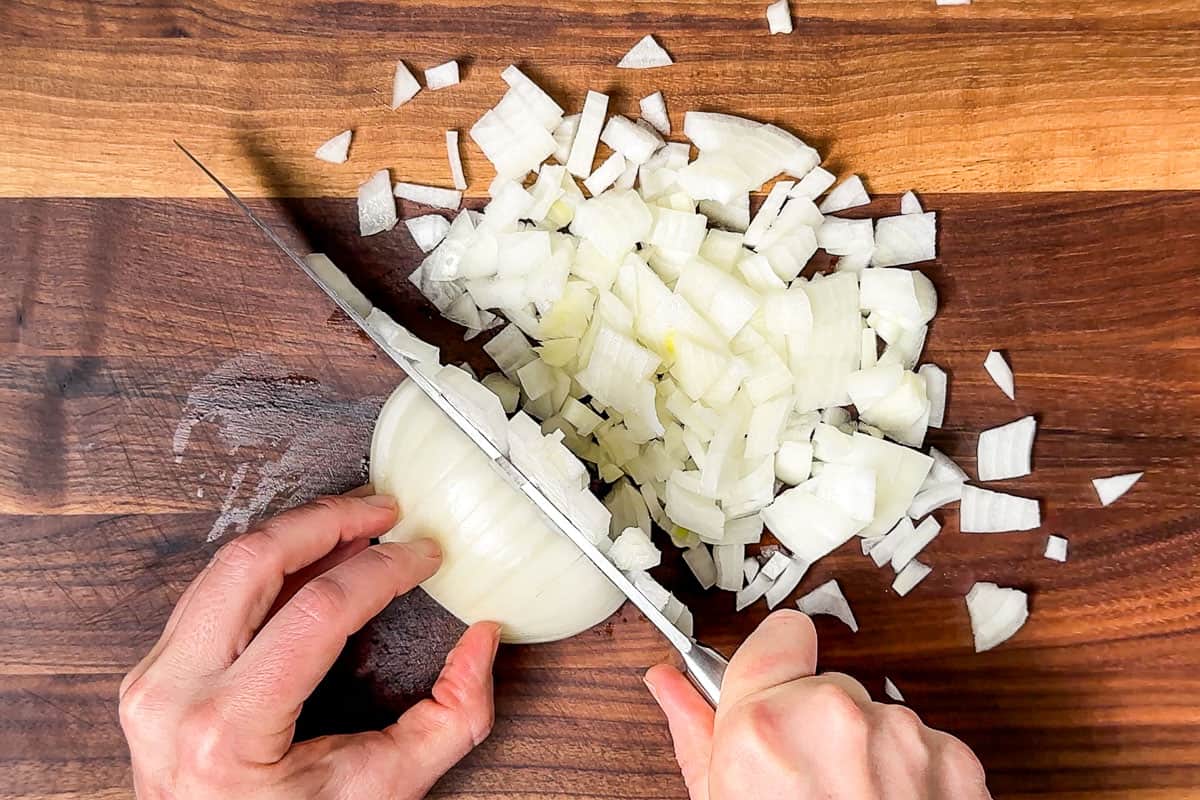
759, 720
844, 715
207, 751
467, 705
249, 552
902, 721
321, 600
960, 761
140, 702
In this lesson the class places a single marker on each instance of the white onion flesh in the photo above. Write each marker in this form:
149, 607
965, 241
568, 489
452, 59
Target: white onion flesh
728, 559
404, 86
647, 53
376, 205
912, 545
1006, 451
428, 195
905, 239
455, 157
1001, 373
910, 204
768, 212
632, 549
587, 134
606, 174
442, 76
1056, 548
828, 599
427, 231
337, 149
847, 194
633, 142
985, 511
934, 497
787, 581
814, 184
912, 574
891, 691
996, 614
779, 17
700, 561
654, 111
935, 390
1109, 490
943, 470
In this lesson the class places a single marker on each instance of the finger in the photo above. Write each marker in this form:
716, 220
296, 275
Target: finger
264, 689
292, 583
407, 758
690, 719
783, 648
857, 692
246, 575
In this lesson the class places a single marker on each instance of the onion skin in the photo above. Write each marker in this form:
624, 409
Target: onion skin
501, 561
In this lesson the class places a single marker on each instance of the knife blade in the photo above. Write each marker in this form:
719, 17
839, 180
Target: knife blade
705, 667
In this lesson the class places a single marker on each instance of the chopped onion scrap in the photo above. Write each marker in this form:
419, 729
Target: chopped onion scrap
828, 599
912, 574
996, 614
456, 166
891, 691
645, 54
779, 17
337, 149
909, 204
427, 231
428, 195
1109, 490
376, 206
985, 511
404, 86
654, 111
847, 194
1001, 373
442, 75
1056, 548
1006, 451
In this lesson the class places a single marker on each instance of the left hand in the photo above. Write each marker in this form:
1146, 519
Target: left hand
212, 709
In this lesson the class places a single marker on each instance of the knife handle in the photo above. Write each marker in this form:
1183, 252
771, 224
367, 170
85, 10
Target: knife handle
705, 669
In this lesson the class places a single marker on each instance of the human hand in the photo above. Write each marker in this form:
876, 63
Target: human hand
211, 710
783, 732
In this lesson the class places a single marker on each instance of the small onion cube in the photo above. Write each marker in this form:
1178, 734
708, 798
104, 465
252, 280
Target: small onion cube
813, 184
754, 589
847, 194
700, 561
996, 614
793, 462
508, 392
632, 141
634, 550
442, 76
891, 691
1001, 373
935, 390
428, 195
455, 157
787, 581
337, 149
587, 134
828, 599
1109, 490
564, 137
779, 17
1056, 548
934, 497
1005, 451
647, 53
909, 204
376, 205
912, 546
510, 350
768, 212
427, 231
910, 576
404, 86
654, 111
734, 216
728, 558
985, 511
905, 239
750, 568
606, 174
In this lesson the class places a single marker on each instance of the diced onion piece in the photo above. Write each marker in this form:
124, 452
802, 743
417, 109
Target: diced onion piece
1056, 548
891, 691
456, 166
768, 212
564, 138
634, 550
606, 174
376, 206
427, 231
934, 497
846, 237
905, 239
996, 613
652, 589
985, 511
935, 390
397, 336
721, 298
689, 509
883, 551
750, 568
442, 75
734, 215
508, 392
628, 178
1001, 373
910, 576
813, 184
787, 581
700, 561
510, 350
1005, 451
899, 473
404, 86
944, 470
828, 599
677, 231
1109, 490
909, 204
632, 141
754, 589
808, 525
905, 296
779, 17
428, 195
541, 105
337, 149
868, 543
583, 418
654, 111
728, 559
613, 222
912, 545
793, 462
645, 54
587, 134
847, 194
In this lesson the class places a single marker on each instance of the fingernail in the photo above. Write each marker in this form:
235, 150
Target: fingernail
650, 688
426, 548
381, 501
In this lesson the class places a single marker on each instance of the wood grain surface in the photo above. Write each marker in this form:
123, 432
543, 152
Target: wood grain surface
165, 377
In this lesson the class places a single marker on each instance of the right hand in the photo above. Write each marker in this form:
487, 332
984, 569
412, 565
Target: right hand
782, 731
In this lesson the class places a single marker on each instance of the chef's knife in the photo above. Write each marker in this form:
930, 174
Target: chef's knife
705, 666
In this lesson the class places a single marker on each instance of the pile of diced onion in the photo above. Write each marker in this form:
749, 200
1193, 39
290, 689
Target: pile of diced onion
662, 335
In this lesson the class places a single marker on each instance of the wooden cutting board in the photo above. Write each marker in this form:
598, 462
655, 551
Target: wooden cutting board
166, 377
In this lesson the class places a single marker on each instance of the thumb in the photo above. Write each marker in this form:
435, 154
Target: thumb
405, 759
690, 718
